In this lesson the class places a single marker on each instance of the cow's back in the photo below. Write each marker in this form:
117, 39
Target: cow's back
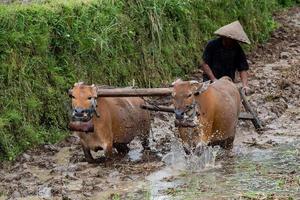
220, 105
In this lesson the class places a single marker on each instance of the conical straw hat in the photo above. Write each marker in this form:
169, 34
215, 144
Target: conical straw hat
234, 31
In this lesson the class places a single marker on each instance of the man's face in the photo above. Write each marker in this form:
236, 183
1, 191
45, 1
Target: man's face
228, 42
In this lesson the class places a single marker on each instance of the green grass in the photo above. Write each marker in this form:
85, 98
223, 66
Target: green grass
46, 47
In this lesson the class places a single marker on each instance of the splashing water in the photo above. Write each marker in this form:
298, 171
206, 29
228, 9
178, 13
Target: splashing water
136, 150
176, 157
202, 157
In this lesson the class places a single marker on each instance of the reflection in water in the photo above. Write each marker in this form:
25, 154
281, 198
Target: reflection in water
255, 172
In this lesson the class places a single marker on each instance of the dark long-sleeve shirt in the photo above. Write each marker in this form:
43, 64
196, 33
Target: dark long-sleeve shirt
224, 61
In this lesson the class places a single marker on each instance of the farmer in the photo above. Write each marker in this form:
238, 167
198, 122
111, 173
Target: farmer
224, 56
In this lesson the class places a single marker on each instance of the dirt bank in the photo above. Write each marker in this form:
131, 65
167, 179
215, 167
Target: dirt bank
57, 171
275, 78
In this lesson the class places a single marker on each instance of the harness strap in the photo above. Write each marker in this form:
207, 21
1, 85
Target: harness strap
94, 107
195, 109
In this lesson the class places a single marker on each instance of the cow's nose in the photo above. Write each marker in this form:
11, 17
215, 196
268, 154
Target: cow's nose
78, 112
179, 114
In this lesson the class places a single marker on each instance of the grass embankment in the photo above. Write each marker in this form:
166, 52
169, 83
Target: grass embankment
46, 47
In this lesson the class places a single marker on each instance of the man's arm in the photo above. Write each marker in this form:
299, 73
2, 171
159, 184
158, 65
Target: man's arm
244, 78
207, 59
243, 67
208, 71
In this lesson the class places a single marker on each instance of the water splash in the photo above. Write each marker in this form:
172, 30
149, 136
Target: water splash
202, 157
136, 150
176, 157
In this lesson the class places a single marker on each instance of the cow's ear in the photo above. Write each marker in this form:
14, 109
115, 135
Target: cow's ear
194, 85
70, 93
94, 90
78, 83
176, 81
203, 87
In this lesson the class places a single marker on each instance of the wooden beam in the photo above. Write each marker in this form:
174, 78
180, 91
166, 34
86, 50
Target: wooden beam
158, 108
128, 92
242, 116
256, 122
245, 116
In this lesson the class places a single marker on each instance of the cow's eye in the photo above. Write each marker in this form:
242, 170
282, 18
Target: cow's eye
89, 98
190, 95
71, 96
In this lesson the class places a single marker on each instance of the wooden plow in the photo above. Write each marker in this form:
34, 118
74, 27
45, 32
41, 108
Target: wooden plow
255, 121
132, 92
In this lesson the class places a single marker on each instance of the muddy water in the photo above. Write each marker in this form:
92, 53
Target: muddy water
251, 173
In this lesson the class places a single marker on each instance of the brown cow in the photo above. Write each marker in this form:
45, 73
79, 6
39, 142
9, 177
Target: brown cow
206, 112
104, 123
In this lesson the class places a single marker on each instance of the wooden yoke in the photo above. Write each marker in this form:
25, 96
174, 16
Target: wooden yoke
129, 92
249, 115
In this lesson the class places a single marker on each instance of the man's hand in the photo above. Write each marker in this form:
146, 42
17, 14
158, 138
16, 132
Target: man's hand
244, 77
247, 90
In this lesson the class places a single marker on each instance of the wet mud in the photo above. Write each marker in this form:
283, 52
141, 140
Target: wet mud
262, 165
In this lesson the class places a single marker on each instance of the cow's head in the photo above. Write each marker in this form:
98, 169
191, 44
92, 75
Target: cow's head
186, 108
84, 104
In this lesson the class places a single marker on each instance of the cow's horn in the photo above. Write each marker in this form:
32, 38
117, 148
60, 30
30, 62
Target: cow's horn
193, 82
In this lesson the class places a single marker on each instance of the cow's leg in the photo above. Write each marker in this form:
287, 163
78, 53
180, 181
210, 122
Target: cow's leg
228, 143
205, 132
186, 136
225, 144
109, 150
122, 148
145, 143
87, 154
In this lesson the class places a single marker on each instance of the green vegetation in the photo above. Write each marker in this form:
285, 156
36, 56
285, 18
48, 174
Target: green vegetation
46, 47
115, 197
